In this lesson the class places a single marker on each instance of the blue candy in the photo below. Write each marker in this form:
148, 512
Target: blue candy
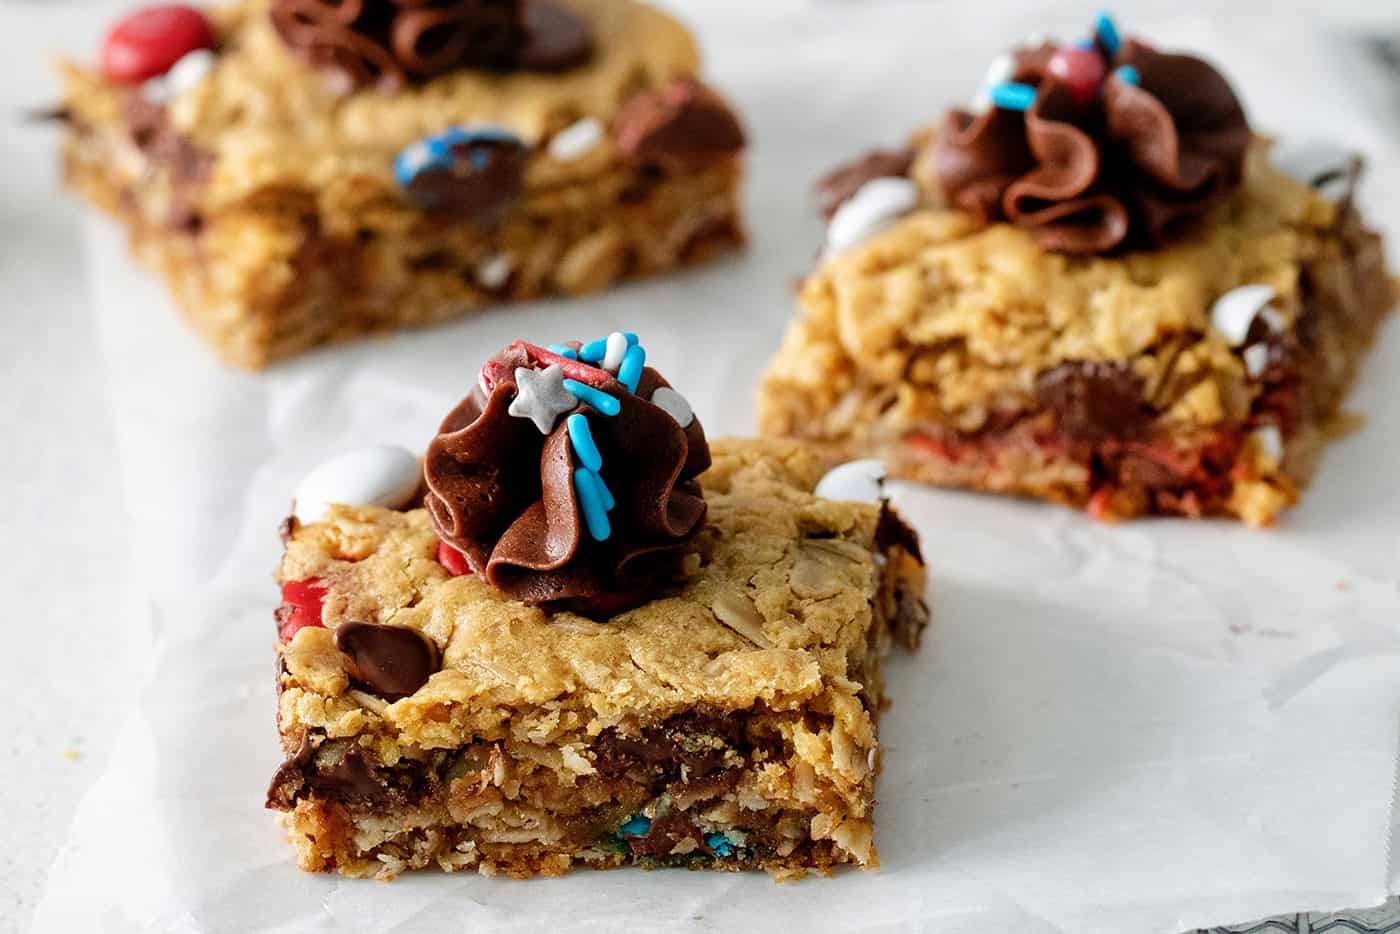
600, 400
636, 826
581, 436
435, 152
563, 350
720, 844
593, 351
1008, 95
1127, 74
631, 369
1107, 32
587, 485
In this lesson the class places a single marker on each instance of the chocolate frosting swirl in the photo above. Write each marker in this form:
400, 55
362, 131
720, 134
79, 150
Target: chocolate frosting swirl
1130, 166
389, 43
502, 493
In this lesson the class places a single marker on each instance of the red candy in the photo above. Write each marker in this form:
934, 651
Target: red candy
302, 602
1079, 70
148, 42
495, 371
453, 560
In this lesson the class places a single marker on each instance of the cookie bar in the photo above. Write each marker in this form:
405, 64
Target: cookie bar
306, 171
696, 685
1097, 286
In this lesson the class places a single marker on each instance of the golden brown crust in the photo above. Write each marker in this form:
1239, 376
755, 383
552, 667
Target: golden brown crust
939, 330
778, 624
295, 234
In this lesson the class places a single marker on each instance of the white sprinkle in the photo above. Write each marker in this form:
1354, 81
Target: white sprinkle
1256, 359
1234, 312
190, 70
874, 206
1269, 440
575, 140
858, 481
1001, 69
616, 350
494, 270
383, 475
541, 397
673, 404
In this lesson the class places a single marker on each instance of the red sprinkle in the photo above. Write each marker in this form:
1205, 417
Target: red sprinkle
453, 560
1079, 70
148, 42
302, 601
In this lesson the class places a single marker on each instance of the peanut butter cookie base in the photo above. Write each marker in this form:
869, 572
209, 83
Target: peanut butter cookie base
730, 723
967, 356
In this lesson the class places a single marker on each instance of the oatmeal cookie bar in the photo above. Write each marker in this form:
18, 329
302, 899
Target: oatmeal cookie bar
1096, 287
447, 699
306, 171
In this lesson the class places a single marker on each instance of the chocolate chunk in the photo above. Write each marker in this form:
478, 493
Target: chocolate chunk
391, 661
1094, 401
837, 186
287, 528
683, 125
150, 129
486, 176
891, 531
556, 39
690, 744
340, 771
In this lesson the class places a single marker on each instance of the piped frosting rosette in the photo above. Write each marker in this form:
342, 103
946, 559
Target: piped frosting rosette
1096, 146
568, 476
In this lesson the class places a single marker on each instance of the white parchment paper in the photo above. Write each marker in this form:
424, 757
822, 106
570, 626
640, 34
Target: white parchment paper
1142, 727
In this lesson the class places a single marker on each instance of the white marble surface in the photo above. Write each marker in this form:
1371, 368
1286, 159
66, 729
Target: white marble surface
71, 666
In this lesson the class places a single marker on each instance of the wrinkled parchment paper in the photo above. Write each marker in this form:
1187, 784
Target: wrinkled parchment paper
1141, 727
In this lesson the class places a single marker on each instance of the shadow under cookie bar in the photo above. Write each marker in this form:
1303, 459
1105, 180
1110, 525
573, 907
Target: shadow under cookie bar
271, 208
729, 723
968, 356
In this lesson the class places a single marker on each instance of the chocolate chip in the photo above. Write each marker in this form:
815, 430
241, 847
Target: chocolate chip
336, 770
555, 38
1094, 401
486, 176
391, 661
891, 531
683, 125
838, 185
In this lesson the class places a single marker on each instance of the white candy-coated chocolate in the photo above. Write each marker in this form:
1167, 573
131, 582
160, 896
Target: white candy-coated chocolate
494, 270
1308, 160
383, 475
857, 481
1256, 359
1269, 440
673, 404
576, 140
874, 206
1234, 312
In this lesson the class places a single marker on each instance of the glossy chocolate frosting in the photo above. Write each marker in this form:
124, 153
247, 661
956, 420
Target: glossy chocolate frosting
390, 43
1127, 167
502, 493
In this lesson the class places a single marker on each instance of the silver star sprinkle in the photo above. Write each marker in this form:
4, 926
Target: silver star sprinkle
541, 397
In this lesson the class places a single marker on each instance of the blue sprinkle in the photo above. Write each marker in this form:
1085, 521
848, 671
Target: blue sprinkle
604, 403
593, 351
1084, 44
636, 826
1107, 31
563, 350
485, 133
1008, 95
1127, 74
604, 493
631, 369
632, 338
591, 502
720, 844
582, 438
